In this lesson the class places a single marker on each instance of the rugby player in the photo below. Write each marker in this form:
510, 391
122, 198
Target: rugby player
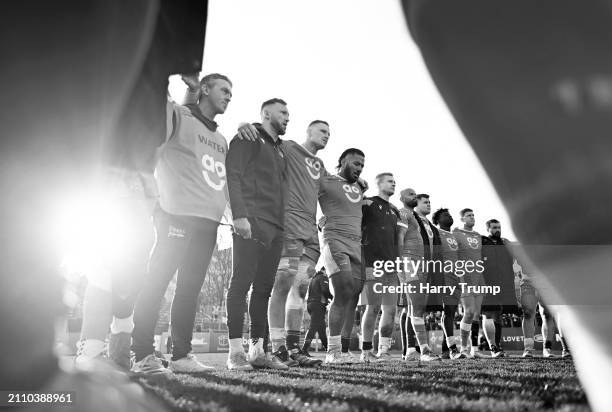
497, 261
530, 301
301, 243
449, 249
193, 196
340, 197
257, 179
470, 250
379, 225
411, 246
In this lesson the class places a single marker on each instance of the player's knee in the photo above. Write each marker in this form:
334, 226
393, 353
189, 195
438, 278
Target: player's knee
372, 310
294, 301
286, 273
343, 287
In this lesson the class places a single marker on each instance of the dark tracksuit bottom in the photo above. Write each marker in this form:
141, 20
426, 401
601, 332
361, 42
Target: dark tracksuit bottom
317, 311
255, 263
183, 245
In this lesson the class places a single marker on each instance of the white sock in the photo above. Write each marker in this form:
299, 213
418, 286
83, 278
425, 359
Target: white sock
334, 343
410, 351
474, 349
92, 347
258, 345
384, 343
277, 338
528, 342
125, 325
235, 345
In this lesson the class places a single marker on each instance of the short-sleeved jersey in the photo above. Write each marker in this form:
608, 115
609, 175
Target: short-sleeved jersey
379, 225
413, 241
190, 172
341, 203
304, 173
449, 247
470, 244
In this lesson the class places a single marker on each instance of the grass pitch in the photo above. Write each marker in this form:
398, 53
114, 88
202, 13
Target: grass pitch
509, 384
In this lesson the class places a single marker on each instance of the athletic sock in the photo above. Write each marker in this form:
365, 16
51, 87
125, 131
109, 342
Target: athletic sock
277, 338
528, 343
235, 345
334, 343
444, 346
475, 328
293, 340
366, 345
548, 344
384, 344
564, 344
346, 343
91, 347
498, 334
410, 335
403, 333
465, 330
125, 325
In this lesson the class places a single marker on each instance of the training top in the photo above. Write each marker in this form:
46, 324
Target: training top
304, 173
379, 232
257, 176
341, 206
190, 172
470, 245
413, 241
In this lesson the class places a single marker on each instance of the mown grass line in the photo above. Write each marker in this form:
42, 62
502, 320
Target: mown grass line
472, 385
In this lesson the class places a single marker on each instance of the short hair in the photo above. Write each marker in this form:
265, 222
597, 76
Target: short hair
464, 211
380, 176
206, 80
491, 221
422, 196
436, 216
318, 121
273, 101
347, 152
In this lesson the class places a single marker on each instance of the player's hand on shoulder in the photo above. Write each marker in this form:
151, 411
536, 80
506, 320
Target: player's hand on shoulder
246, 131
363, 184
242, 227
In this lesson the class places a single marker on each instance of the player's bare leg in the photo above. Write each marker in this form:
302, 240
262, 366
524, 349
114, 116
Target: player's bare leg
342, 289
548, 331
368, 322
385, 331
285, 276
529, 302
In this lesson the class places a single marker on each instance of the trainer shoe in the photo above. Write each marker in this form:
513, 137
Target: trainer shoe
257, 356
119, 349
566, 354
367, 356
238, 362
303, 358
384, 356
527, 353
463, 354
430, 357
283, 355
453, 353
547, 353
335, 357
350, 357
189, 364
496, 352
271, 361
445, 355
412, 357
150, 365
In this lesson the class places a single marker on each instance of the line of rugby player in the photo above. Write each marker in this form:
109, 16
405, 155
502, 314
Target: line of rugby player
272, 187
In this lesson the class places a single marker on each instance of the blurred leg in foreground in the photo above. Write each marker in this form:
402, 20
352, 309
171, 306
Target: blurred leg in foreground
529, 85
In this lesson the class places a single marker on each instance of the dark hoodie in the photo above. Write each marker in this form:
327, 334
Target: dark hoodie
257, 179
